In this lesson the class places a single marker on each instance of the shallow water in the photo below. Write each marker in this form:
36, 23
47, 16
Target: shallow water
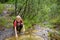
26, 37
39, 33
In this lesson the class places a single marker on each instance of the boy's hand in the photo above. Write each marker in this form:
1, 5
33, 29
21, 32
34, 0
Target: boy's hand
16, 33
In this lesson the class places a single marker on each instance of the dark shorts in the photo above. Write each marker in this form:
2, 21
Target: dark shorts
19, 28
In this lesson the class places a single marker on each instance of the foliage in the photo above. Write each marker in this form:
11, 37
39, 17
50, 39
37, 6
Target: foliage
6, 21
41, 11
3, 21
46, 12
1, 8
3, 1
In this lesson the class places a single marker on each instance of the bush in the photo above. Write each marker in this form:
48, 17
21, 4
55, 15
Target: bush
1, 8
3, 21
6, 21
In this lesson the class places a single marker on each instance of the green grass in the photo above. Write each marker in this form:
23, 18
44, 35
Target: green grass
1, 8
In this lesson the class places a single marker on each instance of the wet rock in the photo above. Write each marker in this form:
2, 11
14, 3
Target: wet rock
6, 33
43, 32
2, 28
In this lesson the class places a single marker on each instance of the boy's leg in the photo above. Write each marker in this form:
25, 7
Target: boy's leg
17, 29
20, 27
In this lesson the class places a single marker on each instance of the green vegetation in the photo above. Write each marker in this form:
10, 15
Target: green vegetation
2, 21
46, 13
43, 12
1, 8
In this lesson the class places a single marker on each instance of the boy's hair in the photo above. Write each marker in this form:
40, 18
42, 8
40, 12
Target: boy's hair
18, 16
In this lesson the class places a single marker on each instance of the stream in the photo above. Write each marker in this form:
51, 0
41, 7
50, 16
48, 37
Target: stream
38, 32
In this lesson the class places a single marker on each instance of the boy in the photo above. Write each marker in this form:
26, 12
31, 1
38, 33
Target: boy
18, 23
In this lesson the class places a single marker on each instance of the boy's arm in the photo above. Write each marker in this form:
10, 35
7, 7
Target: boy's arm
14, 24
15, 29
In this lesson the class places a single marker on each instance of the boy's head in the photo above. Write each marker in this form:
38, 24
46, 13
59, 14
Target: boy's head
18, 17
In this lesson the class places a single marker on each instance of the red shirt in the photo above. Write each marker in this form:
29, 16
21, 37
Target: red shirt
15, 23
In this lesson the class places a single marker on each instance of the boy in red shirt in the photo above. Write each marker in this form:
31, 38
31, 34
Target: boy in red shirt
18, 23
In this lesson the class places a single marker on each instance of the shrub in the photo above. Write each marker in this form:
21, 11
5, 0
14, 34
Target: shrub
1, 8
